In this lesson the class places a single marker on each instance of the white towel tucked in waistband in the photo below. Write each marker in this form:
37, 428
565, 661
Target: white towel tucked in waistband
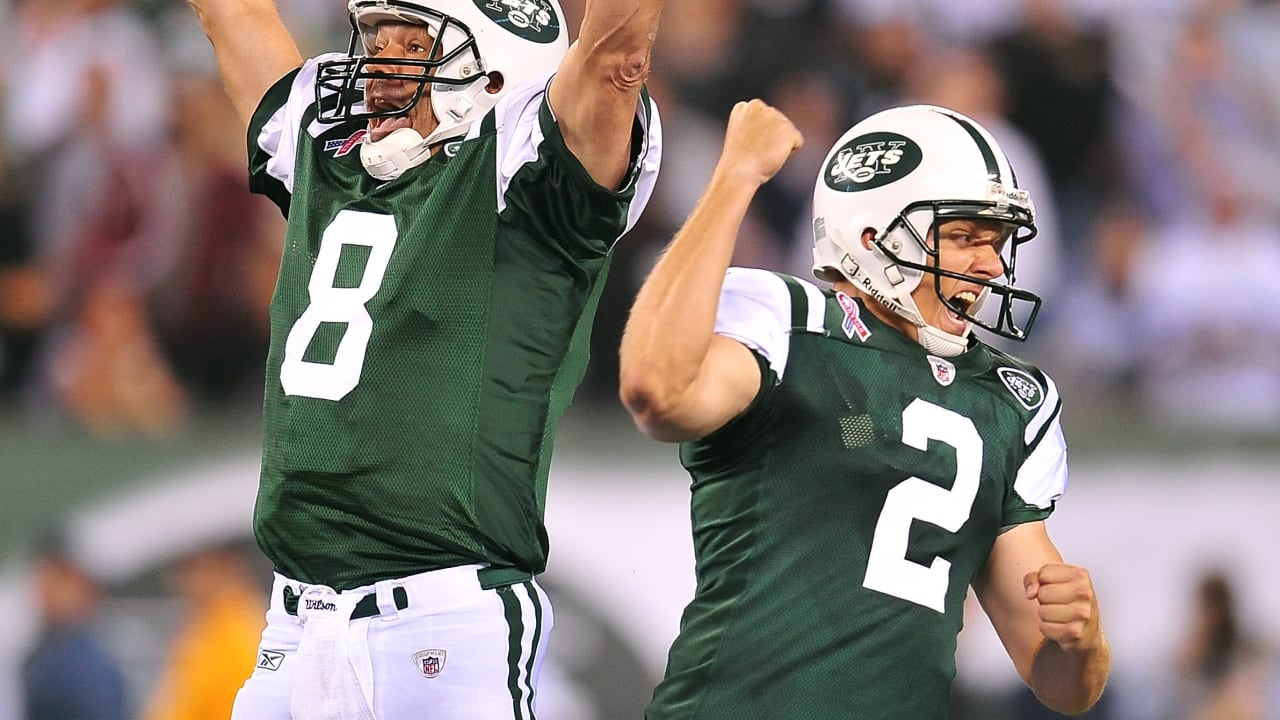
327, 685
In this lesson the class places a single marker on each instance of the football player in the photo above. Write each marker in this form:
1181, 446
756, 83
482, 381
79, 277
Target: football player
454, 185
859, 458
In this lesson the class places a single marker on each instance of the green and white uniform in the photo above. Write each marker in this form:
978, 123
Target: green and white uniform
427, 335
839, 521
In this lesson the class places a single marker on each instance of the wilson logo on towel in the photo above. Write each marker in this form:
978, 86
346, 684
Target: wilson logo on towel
320, 605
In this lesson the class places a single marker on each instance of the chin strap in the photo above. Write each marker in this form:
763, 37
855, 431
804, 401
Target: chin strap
389, 157
942, 344
935, 341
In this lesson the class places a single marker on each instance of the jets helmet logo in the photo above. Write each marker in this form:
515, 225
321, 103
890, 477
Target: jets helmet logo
534, 20
871, 161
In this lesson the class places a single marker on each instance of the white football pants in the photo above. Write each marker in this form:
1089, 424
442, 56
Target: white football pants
434, 645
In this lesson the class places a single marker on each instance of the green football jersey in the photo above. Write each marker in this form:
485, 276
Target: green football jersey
427, 334
839, 521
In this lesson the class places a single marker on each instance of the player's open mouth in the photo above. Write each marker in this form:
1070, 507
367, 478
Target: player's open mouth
961, 301
380, 127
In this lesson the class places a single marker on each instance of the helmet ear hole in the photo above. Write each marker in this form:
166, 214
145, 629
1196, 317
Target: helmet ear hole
496, 83
868, 237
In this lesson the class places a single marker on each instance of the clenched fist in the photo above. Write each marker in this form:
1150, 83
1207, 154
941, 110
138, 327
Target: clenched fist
1068, 607
758, 142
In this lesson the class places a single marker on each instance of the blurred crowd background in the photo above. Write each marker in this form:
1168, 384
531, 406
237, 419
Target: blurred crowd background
135, 267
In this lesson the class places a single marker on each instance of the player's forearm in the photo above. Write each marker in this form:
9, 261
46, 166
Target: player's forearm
670, 329
253, 47
1070, 681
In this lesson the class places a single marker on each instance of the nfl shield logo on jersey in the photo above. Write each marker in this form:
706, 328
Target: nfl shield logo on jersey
429, 662
943, 371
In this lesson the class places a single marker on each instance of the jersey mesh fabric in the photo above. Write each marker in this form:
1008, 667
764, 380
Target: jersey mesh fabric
436, 456
786, 501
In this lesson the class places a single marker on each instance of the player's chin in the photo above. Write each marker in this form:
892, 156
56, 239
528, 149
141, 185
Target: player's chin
951, 322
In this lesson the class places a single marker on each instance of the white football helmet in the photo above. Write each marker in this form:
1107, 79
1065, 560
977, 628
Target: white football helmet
901, 172
475, 40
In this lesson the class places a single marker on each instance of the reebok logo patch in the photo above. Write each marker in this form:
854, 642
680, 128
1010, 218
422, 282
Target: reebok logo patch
270, 660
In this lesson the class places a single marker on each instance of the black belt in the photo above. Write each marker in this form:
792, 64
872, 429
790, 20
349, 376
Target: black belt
367, 606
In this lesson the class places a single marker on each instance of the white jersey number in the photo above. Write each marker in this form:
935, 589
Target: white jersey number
343, 305
888, 569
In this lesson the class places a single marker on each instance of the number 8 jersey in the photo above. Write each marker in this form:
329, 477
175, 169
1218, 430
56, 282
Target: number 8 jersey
840, 519
427, 334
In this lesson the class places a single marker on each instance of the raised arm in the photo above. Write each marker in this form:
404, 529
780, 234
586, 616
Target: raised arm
596, 90
1046, 614
253, 47
678, 379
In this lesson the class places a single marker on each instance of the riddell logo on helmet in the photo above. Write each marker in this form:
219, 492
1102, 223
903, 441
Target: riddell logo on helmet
871, 161
534, 20
870, 288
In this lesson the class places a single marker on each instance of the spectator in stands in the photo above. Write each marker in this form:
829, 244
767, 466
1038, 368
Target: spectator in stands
70, 672
86, 121
216, 647
1221, 669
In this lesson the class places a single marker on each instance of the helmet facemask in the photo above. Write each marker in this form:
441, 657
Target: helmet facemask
1017, 309
454, 61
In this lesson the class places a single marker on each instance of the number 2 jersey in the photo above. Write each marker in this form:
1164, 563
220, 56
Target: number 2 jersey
427, 334
839, 521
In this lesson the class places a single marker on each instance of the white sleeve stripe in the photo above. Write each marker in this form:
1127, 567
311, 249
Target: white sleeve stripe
816, 313
520, 136
1042, 479
279, 135
519, 133
1048, 410
649, 159
280, 166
